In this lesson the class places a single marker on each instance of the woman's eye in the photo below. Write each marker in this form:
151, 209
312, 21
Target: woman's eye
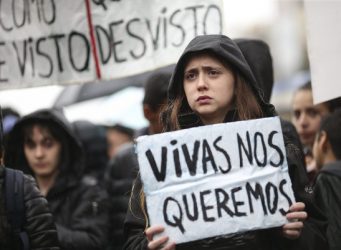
213, 72
190, 76
48, 143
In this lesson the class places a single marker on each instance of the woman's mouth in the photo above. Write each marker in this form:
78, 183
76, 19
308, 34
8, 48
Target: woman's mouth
203, 99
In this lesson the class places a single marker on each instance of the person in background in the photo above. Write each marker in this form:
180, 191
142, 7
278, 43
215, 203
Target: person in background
155, 97
212, 83
123, 168
39, 224
94, 142
306, 118
117, 135
327, 155
43, 144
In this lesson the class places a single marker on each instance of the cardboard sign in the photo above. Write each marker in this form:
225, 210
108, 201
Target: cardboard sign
324, 50
216, 179
47, 42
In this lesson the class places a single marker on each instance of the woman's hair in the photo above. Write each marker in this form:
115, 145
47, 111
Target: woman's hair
246, 105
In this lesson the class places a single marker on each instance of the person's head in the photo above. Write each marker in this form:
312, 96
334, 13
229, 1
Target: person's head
94, 142
43, 143
117, 135
213, 82
307, 116
327, 145
155, 96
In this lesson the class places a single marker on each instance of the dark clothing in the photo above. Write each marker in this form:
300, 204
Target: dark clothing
312, 234
328, 197
39, 224
257, 54
94, 142
119, 178
79, 209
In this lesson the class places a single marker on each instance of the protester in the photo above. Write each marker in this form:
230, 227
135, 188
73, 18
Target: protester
212, 83
327, 154
306, 119
94, 142
117, 135
123, 168
43, 144
38, 225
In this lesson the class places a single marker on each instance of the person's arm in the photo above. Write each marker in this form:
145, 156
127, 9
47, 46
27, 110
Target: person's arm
39, 223
138, 234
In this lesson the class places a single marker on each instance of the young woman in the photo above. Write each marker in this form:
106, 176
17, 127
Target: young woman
212, 83
43, 144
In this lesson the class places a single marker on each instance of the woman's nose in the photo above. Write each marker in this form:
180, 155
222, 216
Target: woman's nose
202, 82
38, 151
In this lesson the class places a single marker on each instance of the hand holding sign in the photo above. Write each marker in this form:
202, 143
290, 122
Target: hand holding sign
159, 242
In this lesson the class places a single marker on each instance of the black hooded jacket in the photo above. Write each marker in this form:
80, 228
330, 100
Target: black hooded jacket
79, 209
39, 224
313, 233
328, 197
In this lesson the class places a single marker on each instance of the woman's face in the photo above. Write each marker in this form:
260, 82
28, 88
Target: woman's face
42, 152
209, 88
307, 116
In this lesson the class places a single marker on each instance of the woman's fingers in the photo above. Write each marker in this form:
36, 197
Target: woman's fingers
156, 244
296, 212
153, 230
296, 216
159, 243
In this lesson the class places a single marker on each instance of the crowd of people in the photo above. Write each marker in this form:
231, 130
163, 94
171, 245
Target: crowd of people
82, 185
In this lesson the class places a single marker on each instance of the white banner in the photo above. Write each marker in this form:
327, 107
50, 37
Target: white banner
324, 47
216, 179
47, 42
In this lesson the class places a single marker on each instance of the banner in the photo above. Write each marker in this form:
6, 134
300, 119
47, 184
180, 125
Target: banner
45, 42
218, 179
324, 50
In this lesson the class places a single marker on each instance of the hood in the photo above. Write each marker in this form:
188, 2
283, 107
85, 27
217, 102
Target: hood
73, 157
258, 56
227, 50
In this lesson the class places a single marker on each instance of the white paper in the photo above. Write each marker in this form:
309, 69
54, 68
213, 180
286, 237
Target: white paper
43, 44
324, 47
220, 188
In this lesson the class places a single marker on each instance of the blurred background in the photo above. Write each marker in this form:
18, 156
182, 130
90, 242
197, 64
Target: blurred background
279, 23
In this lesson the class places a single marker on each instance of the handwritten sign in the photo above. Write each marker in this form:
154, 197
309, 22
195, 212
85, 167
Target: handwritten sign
216, 179
46, 42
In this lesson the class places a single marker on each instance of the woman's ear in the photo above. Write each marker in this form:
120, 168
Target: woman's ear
323, 141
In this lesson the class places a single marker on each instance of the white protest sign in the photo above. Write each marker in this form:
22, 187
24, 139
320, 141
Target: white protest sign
216, 179
44, 42
136, 36
47, 42
324, 50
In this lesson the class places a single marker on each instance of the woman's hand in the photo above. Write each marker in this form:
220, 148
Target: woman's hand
296, 217
161, 242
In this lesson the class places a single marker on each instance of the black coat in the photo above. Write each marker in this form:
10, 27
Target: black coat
39, 224
79, 209
328, 198
312, 236
119, 178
